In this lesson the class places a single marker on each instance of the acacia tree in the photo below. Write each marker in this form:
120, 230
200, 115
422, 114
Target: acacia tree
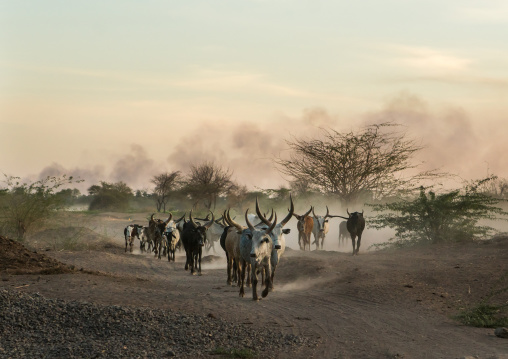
24, 206
355, 164
207, 181
165, 184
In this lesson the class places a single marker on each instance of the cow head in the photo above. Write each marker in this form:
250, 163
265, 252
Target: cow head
262, 244
200, 230
278, 232
321, 222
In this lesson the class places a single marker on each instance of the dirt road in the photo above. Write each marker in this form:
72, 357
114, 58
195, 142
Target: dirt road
384, 304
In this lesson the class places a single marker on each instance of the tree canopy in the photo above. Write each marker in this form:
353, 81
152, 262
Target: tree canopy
370, 163
165, 183
206, 181
110, 196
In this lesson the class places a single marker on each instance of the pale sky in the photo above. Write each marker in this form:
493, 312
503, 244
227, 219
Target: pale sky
123, 90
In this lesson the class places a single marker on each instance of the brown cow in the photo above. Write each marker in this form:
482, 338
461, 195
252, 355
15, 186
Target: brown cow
304, 226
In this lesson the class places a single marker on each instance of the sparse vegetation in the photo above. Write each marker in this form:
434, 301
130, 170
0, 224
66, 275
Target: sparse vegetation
490, 312
433, 218
24, 205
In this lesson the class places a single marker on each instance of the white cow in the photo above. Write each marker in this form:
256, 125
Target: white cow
278, 238
321, 227
172, 235
131, 231
256, 247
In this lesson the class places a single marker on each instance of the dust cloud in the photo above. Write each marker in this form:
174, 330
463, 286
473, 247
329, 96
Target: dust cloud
452, 142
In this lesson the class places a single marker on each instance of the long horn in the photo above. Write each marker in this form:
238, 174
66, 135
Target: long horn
226, 219
192, 220
272, 225
179, 219
313, 212
362, 212
170, 217
307, 213
151, 218
233, 223
290, 214
327, 212
209, 224
347, 210
261, 217
251, 227
271, 216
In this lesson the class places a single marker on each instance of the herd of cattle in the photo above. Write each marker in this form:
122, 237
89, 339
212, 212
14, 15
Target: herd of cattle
250, 250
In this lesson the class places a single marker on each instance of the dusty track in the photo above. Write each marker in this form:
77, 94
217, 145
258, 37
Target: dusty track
386, 304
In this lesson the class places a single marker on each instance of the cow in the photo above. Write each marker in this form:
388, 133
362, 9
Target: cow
304, 226
277, 234
131, 231
194, 239
320, 228
172, 235
342, 232
156, 229
256, 247
144, 239
355, 226
232, 247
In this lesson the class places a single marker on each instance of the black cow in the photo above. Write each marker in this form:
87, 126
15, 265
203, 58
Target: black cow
193, 240
156, 229
355, 226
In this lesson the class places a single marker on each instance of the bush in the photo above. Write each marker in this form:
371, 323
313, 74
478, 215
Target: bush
434, 218
23, 206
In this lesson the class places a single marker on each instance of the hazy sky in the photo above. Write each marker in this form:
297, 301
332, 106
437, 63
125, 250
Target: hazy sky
122, 90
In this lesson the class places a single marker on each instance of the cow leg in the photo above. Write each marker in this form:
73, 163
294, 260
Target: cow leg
198, 258
235, 271
238, 270
268, 281
187, 259
230, 265
358, 243
353, 239
254, 274
243, 268
248, 273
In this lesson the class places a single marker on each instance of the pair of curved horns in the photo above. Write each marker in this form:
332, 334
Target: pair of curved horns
206, 225
284, 221
349, 214
271, 225
326, 215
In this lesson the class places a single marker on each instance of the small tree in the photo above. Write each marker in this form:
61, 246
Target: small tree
434, 218
165, 184
207, 181
354, 165
110, 196
24, 206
